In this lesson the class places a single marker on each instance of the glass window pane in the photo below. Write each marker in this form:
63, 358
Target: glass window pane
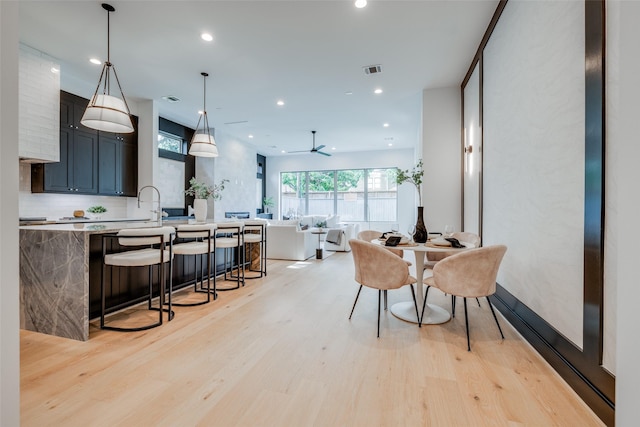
350, 195
293, 194
321, 192
169, 142
382, 195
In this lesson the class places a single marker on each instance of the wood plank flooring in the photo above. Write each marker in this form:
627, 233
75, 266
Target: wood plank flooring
282, 352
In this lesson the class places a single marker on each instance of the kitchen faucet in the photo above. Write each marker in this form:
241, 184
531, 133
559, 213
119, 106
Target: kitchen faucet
158, 212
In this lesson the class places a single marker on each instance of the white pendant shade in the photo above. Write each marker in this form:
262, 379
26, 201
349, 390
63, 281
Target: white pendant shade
203, 145
107, 113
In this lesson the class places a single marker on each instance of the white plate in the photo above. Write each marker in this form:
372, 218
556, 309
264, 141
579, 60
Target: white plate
440, 242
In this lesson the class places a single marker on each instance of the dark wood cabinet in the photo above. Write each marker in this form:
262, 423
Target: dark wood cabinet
118, 160
91, 162
77, 171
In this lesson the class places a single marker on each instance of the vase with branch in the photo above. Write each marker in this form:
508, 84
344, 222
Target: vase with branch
414, 176
202, 192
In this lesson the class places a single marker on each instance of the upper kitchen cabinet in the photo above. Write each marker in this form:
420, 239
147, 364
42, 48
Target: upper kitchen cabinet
38, 122
118, 163
77, 171
91, 162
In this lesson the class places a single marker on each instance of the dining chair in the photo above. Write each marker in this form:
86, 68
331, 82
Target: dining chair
469, 274
371, 235
378, 268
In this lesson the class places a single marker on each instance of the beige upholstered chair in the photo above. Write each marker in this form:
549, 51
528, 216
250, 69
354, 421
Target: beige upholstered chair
197, 242
378, 268
469, 274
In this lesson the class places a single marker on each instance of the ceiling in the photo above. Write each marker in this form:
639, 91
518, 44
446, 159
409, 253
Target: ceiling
309, 54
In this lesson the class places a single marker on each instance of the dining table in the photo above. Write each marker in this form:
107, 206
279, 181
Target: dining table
405, 310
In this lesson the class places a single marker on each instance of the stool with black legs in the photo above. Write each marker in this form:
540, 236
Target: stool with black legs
153, 247
198, 242
229, 237
255, 232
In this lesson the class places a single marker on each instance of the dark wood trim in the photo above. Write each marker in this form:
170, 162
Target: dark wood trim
485, 40
561, 354
172, 155
581, 368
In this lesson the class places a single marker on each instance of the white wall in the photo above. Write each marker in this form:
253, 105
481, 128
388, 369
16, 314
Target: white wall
237, 162
471, 167
533, 157
623, 132
441, 156
403, 159
9, 278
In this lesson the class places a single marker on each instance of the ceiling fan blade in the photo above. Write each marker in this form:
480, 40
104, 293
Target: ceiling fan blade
323, 153
300, 151
320, 147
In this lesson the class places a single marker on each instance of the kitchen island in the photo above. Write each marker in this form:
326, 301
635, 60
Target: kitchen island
55, 275
61, 269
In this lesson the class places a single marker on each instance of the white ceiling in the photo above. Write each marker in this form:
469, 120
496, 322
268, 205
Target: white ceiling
307, 53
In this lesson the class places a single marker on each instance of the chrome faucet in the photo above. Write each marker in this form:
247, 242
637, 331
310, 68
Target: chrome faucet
158, 211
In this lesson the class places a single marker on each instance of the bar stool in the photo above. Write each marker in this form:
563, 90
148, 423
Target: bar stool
200, 243
155, 241
255, 231
228, 237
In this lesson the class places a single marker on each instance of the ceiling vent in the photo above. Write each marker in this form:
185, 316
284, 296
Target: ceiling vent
372, 69
171, 98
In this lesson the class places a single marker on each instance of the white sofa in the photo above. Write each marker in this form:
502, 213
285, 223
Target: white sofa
286, 241
337, 239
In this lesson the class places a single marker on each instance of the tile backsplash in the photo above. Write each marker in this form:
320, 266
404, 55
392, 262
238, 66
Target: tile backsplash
55, 206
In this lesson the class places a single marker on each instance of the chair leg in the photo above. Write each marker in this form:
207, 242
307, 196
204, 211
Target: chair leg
453, 306
424, 304
354, 303
466, 322
495, 317
385, 299
379, 295
415, 304
478, 302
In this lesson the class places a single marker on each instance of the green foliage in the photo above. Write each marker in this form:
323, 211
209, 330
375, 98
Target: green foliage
97, 209
267, 202
321, 224
414, 176
201, 190
322, 181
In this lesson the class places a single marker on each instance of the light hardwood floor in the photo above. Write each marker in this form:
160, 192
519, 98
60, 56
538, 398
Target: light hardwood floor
282, 352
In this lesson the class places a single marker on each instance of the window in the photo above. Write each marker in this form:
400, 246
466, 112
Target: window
170, 142
354, 194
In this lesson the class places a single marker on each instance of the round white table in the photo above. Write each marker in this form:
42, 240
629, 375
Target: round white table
405, 310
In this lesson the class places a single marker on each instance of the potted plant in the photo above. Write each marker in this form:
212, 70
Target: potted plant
202, 192
97, 211
321, 224
414, 176
267, 202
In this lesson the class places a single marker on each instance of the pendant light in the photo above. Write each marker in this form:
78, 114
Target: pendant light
107, 112
202, 143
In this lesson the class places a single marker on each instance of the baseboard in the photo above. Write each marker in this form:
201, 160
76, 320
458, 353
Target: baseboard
587, 380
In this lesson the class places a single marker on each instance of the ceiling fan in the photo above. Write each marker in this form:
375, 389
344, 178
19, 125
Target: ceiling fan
314, 149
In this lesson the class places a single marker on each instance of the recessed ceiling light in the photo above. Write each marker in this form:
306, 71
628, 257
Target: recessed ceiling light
386, 125
282, 151
377, 91
390, 145
250, 136
348, 93
206, 37
54, 70
95, 61
280, 102
361, 3
333, 148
